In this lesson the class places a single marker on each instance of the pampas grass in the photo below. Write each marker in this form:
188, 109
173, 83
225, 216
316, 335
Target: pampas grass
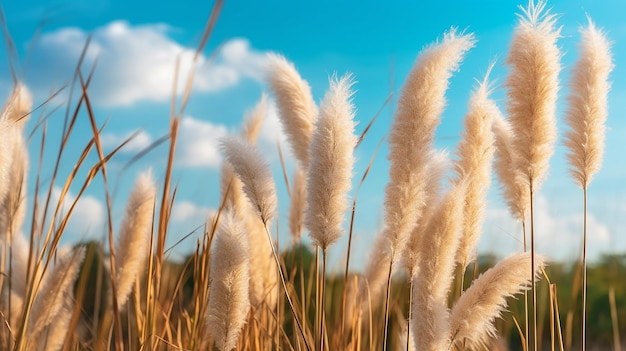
298, 112
419, 109
330, 174
586, 116
475, 153
431, 287
587, 105
226, 294
515, 194
229, 301
254, 173
134, 237
473, 315
532, 87
57, 287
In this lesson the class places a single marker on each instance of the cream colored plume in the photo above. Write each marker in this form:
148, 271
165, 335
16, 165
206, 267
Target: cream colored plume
532, 88
475, 152
254, 119
14, 161
332, 158
516, 194
298, 111
57, 287
436, 266
421, 103
587, 109
229, 301
256, 176
437, 165
473, 316
133, 244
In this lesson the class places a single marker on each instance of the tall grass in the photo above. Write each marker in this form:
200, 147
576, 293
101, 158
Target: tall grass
237, 290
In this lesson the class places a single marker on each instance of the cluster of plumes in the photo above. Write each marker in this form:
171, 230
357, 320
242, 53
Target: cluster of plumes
38, 299
42, 284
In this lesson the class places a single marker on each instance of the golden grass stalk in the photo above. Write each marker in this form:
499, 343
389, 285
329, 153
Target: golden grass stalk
298, 111
134, 237
58, 285
440, 241
515, 194
254, 173
297, 206
532, 88
586, 117
473, 315
587, 109
332, 159
229, 301
475, 152
419, 109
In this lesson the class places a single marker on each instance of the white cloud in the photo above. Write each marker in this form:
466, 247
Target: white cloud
185, 211
139, 142
137, 63
198, 143
87, 218
557, 235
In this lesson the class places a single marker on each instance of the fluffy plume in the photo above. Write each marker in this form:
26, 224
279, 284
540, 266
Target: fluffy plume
134, 238
332, 159
532, 87
254, 120
475, 152
298, 111
473, 315
56, 332
298, 204
431, 286
229, 301
419, 109
57, 287
14, 161
587, 111
437, 166
254, 173
516, 194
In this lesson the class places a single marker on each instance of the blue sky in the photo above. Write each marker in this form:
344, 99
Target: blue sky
137, 43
